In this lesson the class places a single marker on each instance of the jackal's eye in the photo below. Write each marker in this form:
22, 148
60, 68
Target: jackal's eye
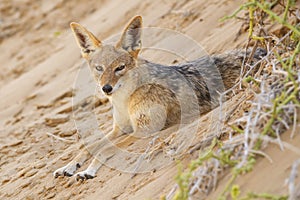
99, 68
120, 68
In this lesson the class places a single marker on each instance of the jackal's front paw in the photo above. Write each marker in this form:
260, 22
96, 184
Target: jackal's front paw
86, 174
67, 170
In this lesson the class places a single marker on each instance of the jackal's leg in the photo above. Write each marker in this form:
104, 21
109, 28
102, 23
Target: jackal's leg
91, 149
109, 151
91, 171
145, 123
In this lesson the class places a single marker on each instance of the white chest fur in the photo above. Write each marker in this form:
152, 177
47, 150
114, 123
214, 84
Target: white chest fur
121, 113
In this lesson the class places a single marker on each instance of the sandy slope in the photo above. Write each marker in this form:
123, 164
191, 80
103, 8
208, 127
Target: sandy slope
39, 65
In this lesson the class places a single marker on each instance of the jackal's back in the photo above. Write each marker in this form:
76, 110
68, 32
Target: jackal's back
211, 75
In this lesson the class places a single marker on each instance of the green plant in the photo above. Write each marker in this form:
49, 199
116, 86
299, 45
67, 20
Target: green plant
274, 115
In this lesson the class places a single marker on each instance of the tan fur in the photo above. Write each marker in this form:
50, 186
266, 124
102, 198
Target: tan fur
147, 97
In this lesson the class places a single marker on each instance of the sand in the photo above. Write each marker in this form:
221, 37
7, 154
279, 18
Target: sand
40, 64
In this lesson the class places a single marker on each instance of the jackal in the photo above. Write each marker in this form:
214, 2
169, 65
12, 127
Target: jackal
148, 97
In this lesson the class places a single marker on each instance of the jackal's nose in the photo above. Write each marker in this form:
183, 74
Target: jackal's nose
107, 89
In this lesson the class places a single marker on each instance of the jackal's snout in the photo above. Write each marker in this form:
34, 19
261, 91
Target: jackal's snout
107, 89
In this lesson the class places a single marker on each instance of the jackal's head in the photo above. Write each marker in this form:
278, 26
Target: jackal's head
109, 63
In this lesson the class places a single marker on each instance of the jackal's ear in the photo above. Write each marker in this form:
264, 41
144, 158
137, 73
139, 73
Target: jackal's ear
85, 39
131, 37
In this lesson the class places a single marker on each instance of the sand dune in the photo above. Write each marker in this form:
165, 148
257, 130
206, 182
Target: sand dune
40, 65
